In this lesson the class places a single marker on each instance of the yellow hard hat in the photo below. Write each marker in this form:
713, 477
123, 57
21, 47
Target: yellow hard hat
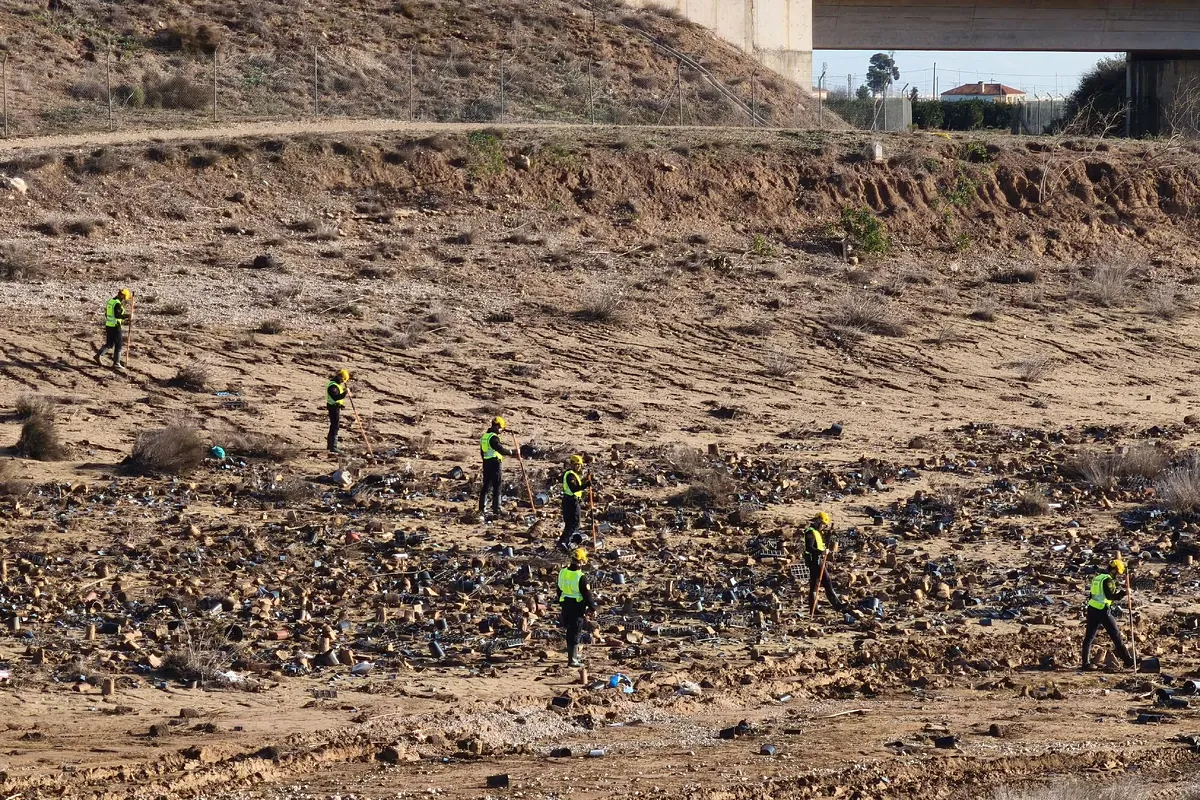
823, 518
1118, 565
343, 375
124, 294
580, 555
500, 423
576, 461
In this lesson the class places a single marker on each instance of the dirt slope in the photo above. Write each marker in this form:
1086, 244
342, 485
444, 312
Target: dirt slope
638, 296
468, 61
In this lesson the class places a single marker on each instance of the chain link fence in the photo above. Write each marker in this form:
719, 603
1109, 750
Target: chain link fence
125, 84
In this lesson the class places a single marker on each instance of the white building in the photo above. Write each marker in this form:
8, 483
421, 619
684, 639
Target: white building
987, 92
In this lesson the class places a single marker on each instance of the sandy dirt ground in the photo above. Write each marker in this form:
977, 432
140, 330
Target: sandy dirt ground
1011, 413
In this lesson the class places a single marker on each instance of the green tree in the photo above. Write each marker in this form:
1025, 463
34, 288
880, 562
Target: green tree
1098, 105
863, 93
881, 72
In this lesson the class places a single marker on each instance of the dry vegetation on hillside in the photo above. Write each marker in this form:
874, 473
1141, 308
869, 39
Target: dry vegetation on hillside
526, 60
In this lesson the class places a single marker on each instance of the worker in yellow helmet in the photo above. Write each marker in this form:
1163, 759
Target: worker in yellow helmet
117, 313
492, 448
1101, 595
816, 556
575, 483
336, 392
577, 602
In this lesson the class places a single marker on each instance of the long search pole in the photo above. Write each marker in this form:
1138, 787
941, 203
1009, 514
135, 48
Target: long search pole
592, 512
817, 592
128, 343
1132, 634
358, 422
524, 474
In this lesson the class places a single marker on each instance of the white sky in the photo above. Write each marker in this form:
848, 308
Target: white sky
1033, 73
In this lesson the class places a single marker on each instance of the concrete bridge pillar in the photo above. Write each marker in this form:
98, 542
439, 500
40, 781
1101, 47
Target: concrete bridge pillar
1164, 93
779, 33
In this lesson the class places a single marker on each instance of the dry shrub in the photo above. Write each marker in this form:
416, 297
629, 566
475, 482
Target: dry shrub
29, 405
604, 304
1010, 275
177, 92
206, 653
684, 460
1035, 367
194, 377
39, 437
1105, 470
779, 364
18, 263
190, 37
1108, 285
174, 450
10, 484
252, 444
869, 313
711, 488
1178, 489
1032, 504
83, 226
173, 308
1163, 301
271, 326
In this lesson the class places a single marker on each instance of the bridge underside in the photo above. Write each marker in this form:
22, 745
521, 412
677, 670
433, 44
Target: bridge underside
1082, 25
1161, 36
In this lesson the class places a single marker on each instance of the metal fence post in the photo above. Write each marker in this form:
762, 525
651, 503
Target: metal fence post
821, 96
108, 84
679, 84
214, 72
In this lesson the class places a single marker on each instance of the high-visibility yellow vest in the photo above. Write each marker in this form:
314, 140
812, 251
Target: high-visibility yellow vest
111, 318
329, 401
818, 539
567, 490
485, 446
1099, 599
568, 585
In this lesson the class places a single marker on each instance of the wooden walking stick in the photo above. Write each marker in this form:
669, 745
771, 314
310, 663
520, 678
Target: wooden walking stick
524, 474
817, 591
358, 421
1132, 634
128, 343
592, 511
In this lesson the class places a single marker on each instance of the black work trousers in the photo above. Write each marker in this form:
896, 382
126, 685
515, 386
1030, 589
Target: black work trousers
1098, 618
114, 339
570, 512
335, 424
573, 612
491, 483
814, 576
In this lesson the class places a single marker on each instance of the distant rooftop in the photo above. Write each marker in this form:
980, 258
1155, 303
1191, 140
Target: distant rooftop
982, 89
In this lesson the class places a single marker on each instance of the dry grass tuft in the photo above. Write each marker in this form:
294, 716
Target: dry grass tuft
252, 444
869, 313
173, 308
271, 326
1179, 488
1032, 504
1077, 790
711, 488
985, 311
1163, 301
605, 304
1105, 470
10, 484
1035, 367
1108, 285
39, 436
174, 450
18, 263
29, 405
780, 364
194, 377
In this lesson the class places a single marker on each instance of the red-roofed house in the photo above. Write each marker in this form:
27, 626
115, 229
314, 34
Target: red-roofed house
987, 92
